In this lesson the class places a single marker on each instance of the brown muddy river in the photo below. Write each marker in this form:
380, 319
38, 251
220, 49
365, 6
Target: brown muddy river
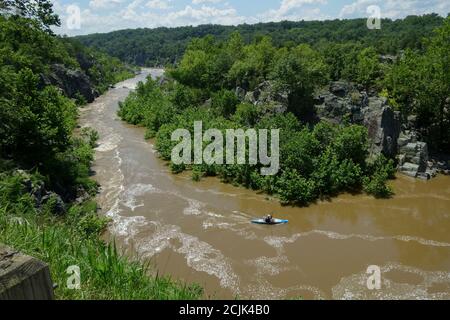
200, 231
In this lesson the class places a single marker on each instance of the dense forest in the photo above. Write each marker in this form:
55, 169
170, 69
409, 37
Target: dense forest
160, 46
317, 160
46, 206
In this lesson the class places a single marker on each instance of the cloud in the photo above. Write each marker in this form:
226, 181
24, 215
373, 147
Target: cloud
205, 1
103, 4
203, 15
156, 13
135, 15
295, 10
396, 9
159, 4
356, 7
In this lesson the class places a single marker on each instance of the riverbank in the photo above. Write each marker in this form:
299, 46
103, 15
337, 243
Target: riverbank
74, 240
63, 234
200, 231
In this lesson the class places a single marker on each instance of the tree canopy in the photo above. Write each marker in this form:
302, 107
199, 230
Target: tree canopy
39, 10
160, 46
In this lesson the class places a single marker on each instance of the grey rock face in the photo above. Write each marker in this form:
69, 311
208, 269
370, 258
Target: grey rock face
410, 169
85, 61
266, 97
340, 88
341, 100
413, 157
40, 195
345, 101
383, 126
71, 82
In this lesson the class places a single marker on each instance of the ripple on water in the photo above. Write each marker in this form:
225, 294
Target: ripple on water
129, 196
264, 290
278, 242
194, 207
354, 287
109, 142
200, 256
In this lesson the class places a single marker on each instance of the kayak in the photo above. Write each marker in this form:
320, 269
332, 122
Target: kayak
275, 221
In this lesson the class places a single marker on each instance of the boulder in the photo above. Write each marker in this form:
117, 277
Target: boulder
410, 169
59, 208
383, 126
340, 88
417, 153
412, 152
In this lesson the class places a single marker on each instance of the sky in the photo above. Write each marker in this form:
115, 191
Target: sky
93, 16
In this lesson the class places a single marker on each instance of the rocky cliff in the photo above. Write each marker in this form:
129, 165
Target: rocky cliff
269, 100
74, 83
342, 101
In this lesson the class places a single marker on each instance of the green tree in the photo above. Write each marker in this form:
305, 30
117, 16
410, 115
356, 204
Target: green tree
298, 72
419, 83
39, 10
368, 67
254, 66
224, 102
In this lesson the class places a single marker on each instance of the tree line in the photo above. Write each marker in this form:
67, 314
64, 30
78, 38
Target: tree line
160, 46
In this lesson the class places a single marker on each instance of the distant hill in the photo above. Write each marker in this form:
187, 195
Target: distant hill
149, 47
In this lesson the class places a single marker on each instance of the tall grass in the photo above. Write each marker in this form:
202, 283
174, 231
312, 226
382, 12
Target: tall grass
74, 239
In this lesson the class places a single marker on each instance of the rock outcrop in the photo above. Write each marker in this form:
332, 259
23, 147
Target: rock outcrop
343, 101
40, 195
71, 82
383, 125
265, 96
339, 102
413, 158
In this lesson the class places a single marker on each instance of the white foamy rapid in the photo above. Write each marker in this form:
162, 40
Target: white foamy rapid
431, 285
131, 193
200, 255
278, 242
119, 198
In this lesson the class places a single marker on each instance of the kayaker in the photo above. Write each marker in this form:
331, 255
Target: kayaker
269, 219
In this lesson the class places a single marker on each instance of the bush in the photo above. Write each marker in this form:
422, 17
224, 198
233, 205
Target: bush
224, 102
75, 239
376, 185
246, 114
293, 188
379, 172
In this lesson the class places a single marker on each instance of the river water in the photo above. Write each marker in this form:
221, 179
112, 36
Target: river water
200, 231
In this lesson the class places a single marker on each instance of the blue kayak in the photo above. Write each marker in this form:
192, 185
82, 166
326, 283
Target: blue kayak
275, 221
